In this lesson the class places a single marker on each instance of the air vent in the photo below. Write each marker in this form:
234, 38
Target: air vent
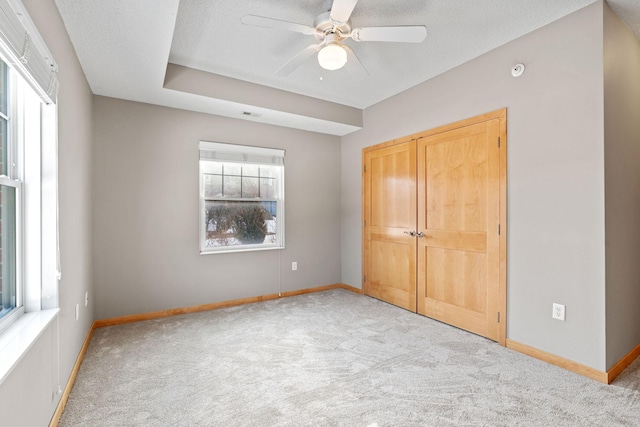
250, 114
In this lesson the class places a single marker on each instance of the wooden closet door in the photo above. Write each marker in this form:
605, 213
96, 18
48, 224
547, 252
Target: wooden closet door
389, 198
458, 214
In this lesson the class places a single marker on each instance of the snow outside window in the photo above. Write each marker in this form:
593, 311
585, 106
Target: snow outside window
241, 198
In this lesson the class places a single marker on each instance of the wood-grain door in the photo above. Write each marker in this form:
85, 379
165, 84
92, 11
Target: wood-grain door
458, 216
389, 199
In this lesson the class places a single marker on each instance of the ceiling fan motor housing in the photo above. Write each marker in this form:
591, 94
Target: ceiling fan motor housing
326, 26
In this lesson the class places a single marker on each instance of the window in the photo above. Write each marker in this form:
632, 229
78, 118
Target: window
10, 196
26, 129
10, 189
241, 198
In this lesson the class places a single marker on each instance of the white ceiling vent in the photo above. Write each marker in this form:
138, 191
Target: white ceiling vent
251, 114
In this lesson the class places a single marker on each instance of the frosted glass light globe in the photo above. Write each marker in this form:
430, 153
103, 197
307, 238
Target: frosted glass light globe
332, 57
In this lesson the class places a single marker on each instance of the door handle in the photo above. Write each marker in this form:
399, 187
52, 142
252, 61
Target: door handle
410, 233
420, 234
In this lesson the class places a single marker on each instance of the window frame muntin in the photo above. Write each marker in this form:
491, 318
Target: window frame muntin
241, 176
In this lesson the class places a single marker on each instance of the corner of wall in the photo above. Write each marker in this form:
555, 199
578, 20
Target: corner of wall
621, 69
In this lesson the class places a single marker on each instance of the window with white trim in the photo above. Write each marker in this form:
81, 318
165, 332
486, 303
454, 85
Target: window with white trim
29, 256
10, 206
21, 115
241, 198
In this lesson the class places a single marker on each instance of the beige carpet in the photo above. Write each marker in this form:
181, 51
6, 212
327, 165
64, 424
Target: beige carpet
329, 359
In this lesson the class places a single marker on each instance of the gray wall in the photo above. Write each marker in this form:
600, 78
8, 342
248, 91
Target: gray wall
27, 393
146, 247
36, 375
555, 174
143, 242
622, 185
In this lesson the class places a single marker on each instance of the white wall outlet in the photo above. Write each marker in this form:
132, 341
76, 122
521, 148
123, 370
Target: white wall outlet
77, 312
86, 298
558, 311
294, 266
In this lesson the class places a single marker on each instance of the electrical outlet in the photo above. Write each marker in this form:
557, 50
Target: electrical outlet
77, 312
294, 266
86, 298
558, 311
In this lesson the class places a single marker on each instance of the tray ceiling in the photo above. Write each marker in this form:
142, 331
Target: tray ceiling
125, 46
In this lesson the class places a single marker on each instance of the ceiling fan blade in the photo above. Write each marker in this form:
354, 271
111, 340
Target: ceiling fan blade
341, 10
263, 21
402, 34
354, 65
297, 60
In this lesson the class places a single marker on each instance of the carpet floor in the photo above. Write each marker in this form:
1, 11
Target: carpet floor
329, 359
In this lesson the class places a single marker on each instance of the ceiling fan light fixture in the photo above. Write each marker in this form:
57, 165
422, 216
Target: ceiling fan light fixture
332, 57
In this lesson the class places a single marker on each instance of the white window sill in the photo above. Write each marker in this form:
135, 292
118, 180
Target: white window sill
18, 338
229, 249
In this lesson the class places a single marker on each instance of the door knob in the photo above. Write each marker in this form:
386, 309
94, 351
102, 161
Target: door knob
420, 234
410, 233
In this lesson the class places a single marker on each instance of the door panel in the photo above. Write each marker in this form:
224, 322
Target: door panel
456, 180
458, 213
393, 187
390, 211
391, 279
453, 276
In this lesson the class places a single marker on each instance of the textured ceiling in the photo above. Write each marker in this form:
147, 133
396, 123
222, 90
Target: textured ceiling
124, 46
209, 36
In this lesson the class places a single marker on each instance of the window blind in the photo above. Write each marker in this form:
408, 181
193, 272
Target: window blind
216, 151
23, 49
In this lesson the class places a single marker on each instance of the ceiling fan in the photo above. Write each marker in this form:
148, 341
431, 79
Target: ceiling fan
331, 29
